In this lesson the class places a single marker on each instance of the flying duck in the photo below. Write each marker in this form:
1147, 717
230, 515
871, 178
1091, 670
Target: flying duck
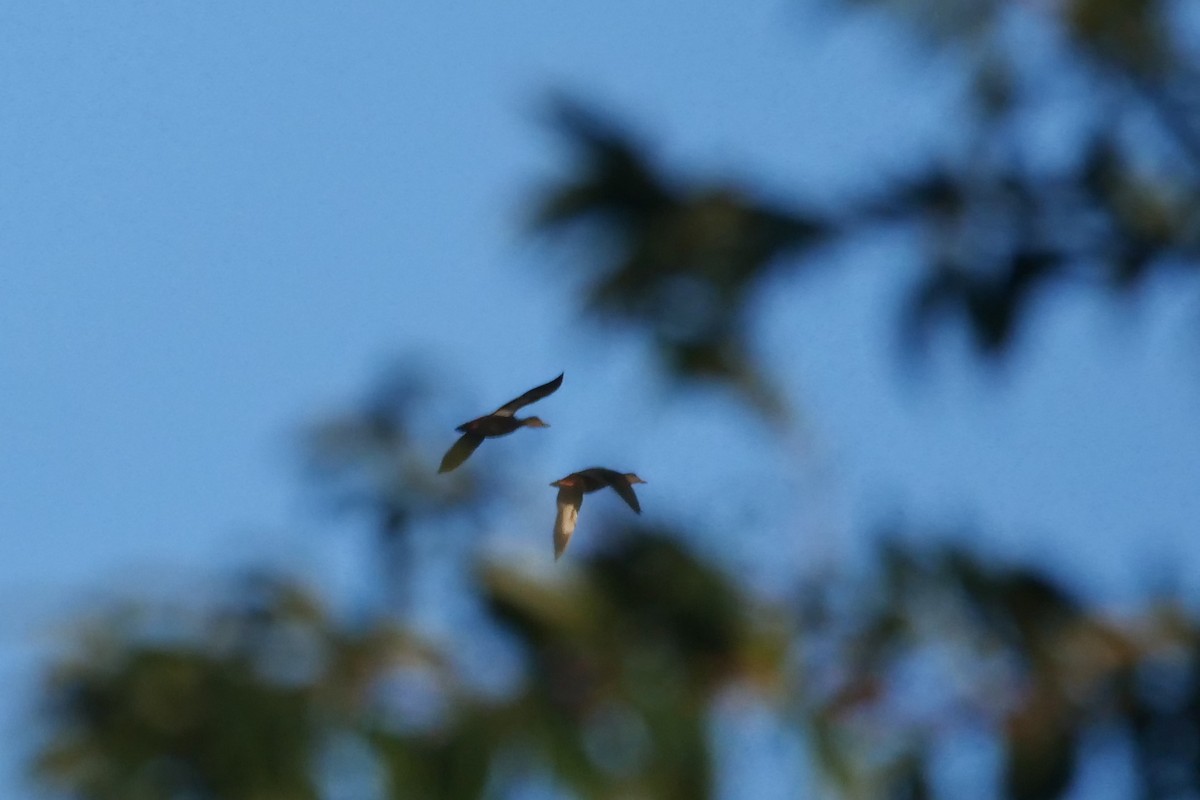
571, 490
500, 422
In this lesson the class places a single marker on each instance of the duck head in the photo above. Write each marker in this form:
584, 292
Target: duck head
632, 478
566, 483
534, 422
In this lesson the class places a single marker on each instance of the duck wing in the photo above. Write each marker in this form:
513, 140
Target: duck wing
598, 477
532, 396
460, 451
622, 487
569, 500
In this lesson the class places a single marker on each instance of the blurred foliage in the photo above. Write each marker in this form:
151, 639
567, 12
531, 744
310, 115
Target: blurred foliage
622, 664
625, 661
258, 698
678, 259
999, 220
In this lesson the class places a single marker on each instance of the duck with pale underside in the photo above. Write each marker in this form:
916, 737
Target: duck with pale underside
571, 490
500, 422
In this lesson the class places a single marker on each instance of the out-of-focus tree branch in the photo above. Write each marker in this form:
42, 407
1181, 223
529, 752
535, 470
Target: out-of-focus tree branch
682, 257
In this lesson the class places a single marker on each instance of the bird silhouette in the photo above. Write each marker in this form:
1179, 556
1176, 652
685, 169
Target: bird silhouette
573, 487
500, 422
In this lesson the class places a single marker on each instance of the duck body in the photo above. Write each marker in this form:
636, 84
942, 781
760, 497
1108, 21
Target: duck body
573, 487
500, 422
491, 426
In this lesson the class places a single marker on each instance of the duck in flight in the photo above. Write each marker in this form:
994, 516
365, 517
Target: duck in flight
571, 490
500, 422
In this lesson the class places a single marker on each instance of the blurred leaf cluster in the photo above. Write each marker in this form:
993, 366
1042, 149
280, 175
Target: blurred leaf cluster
268, 696
622, 665
943, 647
998, 220
679, 259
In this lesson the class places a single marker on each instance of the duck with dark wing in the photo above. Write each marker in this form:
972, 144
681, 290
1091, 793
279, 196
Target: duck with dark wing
500, 422
571, 490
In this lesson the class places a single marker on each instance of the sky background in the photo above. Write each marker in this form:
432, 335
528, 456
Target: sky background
220, 223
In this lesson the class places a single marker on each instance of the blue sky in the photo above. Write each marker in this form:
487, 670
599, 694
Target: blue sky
220, 221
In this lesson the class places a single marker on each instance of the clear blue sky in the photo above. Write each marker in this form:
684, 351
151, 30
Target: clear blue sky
220, 220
